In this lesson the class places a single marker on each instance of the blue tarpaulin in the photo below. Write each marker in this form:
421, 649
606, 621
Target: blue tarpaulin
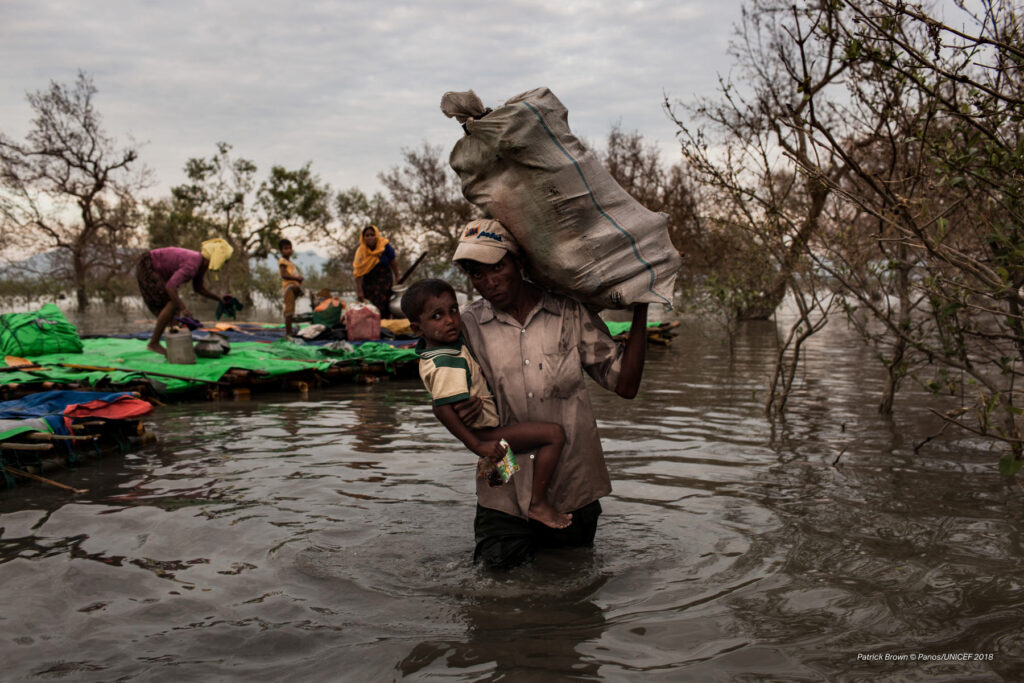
50, 405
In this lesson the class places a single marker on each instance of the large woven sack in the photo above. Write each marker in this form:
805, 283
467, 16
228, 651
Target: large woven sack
37, 334
583, 235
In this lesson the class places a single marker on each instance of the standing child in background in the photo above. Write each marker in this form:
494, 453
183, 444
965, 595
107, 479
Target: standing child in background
291, 283
451, 374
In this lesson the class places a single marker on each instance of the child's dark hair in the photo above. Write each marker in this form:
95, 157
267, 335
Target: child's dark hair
284, 243
415, 298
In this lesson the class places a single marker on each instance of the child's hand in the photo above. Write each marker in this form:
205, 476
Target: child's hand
490, 450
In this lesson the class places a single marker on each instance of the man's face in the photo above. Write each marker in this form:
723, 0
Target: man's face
498, 282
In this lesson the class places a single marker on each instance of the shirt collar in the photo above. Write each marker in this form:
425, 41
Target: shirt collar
548, 302
444, 350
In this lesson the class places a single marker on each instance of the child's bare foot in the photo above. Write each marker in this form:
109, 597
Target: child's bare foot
155, 347
545, 514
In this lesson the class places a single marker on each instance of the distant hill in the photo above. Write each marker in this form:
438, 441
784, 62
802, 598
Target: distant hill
39, 263
309, 262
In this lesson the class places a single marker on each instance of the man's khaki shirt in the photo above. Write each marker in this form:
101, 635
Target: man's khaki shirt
535, 371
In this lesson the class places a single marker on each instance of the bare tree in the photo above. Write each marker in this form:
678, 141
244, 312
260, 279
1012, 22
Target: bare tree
354, 211
69, 187
903, 135
637, 166
222, 199
428, 199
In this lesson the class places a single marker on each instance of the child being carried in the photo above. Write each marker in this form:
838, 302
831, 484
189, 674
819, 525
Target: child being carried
451, 374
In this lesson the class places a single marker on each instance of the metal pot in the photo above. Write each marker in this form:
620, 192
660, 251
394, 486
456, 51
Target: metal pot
213, 345
395, 304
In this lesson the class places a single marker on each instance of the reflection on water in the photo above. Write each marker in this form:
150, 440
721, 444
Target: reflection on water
329, 538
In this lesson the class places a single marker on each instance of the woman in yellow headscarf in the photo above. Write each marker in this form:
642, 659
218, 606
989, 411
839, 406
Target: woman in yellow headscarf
375, 269
161, 271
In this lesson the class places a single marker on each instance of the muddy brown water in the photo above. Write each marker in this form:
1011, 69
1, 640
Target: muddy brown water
329, 538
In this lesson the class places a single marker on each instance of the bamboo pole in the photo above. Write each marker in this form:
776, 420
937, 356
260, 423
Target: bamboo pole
51, 482
14, 446
46, 436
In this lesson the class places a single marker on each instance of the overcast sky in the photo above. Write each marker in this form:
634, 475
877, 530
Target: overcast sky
347, 85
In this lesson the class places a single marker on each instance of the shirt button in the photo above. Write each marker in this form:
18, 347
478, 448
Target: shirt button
531, 456
530, 395
527, 361
522, 332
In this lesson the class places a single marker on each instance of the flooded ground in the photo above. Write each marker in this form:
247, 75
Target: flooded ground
329, 538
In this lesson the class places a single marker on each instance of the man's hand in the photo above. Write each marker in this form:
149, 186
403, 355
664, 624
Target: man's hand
469, 410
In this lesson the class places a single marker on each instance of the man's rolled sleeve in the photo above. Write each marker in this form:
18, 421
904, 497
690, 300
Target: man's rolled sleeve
600, 355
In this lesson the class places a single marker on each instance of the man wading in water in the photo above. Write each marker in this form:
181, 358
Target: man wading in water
534, 347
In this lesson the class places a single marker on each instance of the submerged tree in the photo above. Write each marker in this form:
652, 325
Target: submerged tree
946, 190
902, 134
69, 187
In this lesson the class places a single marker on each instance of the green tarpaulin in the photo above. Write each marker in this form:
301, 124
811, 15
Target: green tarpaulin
132, 360
43, 331
616, 328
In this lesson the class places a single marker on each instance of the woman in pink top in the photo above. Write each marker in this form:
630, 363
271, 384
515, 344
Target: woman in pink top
161, 272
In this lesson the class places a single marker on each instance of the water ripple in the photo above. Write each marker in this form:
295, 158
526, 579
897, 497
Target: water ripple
311, 539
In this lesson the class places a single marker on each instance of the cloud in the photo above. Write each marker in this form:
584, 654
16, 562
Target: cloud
348, 85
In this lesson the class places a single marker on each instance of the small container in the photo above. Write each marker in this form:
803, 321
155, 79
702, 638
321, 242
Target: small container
179, 346
395, 304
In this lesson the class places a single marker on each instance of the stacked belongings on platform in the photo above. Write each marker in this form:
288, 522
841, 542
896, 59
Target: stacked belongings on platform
582, 234
362, 322
55, 429
327, 308
327, 319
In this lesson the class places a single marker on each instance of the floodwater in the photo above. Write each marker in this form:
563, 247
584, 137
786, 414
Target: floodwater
328, 538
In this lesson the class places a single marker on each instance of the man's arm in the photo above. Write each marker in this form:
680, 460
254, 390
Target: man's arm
202, 290
632, 369
178, 303
199, 284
